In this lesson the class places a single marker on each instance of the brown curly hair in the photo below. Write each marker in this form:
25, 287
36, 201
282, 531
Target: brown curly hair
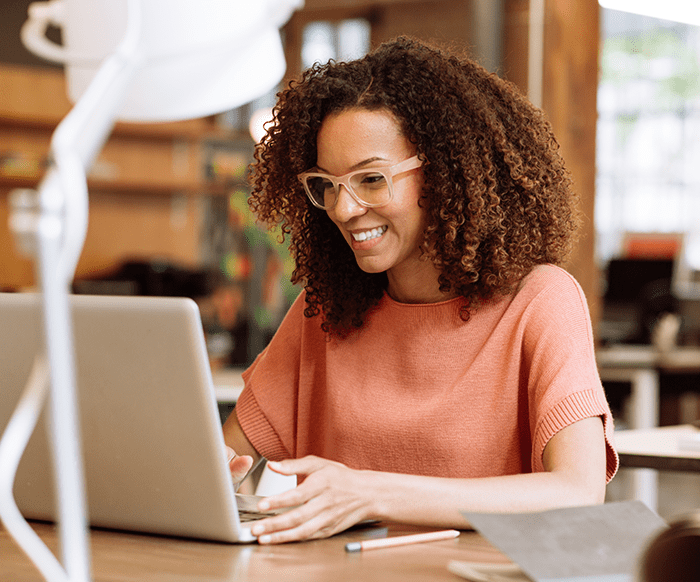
497, 195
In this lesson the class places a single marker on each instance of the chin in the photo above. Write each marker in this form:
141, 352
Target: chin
370, 268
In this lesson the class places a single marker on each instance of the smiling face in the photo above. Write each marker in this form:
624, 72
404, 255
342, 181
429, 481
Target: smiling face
385, 238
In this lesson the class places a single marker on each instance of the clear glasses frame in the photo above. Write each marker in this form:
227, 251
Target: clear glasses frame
388, 172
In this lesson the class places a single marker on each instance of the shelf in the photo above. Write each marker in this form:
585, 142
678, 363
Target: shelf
131, 183
148, 158
125, 187
193, 129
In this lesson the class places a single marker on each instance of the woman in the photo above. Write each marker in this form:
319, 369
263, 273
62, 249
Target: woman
437, 360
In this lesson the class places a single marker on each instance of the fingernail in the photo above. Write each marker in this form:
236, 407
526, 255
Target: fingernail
256, 530
265, 539
264, 505
273, 464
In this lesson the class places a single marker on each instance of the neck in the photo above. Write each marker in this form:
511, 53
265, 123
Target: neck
419, 287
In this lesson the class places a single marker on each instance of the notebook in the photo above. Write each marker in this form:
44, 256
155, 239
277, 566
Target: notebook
153, 449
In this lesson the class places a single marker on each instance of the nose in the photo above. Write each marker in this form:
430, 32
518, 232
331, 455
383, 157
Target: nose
346, 207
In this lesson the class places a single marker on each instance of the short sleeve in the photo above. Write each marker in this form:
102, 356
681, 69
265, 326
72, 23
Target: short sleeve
563, 381
266, 409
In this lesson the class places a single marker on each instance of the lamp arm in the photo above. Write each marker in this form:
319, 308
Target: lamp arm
12, 445
52, 226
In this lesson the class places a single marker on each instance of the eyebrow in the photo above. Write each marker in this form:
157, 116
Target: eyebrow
358, 165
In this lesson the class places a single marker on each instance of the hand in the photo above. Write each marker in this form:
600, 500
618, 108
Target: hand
330, 499
238, 465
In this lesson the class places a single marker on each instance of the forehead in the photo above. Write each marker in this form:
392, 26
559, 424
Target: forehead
356, 135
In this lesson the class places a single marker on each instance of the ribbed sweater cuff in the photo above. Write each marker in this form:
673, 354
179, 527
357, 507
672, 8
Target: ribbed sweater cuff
257, 428
572, 409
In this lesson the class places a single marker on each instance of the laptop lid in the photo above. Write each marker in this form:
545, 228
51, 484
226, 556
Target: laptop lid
153, 449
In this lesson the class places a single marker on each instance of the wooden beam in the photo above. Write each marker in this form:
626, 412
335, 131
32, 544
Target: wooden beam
569, 88
515, 42
570, 83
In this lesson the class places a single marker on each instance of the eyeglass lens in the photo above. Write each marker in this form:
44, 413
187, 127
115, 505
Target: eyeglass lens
371, 187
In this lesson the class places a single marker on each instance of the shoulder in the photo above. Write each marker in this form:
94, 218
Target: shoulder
550, 303
551, 287
298, 305
548, 276
296, 325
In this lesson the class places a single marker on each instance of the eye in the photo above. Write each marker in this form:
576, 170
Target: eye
372, 180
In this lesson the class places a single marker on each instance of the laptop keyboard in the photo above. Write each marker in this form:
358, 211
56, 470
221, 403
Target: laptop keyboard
248, 516
247, 508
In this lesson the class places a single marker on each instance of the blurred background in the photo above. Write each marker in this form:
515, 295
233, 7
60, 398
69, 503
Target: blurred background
168, 202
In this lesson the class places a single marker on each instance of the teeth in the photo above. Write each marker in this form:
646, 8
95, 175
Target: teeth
369, 234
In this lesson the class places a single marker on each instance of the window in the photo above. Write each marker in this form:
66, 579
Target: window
648, 138
344, 40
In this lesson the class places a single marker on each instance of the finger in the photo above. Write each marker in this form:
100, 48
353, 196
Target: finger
307, 490
304, 504
240, 467
299, 525
291, 498
303, 466
306, 531
311, 467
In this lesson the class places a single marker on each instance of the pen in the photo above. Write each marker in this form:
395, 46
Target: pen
401, 540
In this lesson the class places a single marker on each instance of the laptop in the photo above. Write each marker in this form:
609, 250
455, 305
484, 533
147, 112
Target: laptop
154, 455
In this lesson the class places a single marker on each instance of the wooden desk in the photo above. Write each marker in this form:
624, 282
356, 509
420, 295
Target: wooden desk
659, 448
128, 557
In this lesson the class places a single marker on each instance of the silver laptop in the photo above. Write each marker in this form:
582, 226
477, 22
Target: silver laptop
152, 443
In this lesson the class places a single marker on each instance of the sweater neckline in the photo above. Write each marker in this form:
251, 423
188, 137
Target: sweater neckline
391, 301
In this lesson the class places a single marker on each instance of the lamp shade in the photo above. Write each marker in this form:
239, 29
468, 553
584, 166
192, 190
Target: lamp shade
687, 11
197, 58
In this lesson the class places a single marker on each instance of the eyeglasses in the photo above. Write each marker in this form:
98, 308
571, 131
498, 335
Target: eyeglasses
369, 187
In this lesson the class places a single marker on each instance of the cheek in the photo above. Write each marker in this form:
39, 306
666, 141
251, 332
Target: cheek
413, 216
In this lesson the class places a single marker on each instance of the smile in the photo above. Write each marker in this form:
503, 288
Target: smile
369, 234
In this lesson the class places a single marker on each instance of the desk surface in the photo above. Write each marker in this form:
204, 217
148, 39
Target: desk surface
133, 557
681, 358
666, 448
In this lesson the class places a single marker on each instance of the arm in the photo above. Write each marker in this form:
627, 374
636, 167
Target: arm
242, 454
333, 497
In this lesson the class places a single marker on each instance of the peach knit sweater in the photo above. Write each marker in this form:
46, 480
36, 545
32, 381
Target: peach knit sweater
417, 390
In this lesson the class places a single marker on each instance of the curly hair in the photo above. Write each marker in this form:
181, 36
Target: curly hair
497, 196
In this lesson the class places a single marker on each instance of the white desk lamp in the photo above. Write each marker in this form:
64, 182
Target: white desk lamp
687, 11
135, 60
